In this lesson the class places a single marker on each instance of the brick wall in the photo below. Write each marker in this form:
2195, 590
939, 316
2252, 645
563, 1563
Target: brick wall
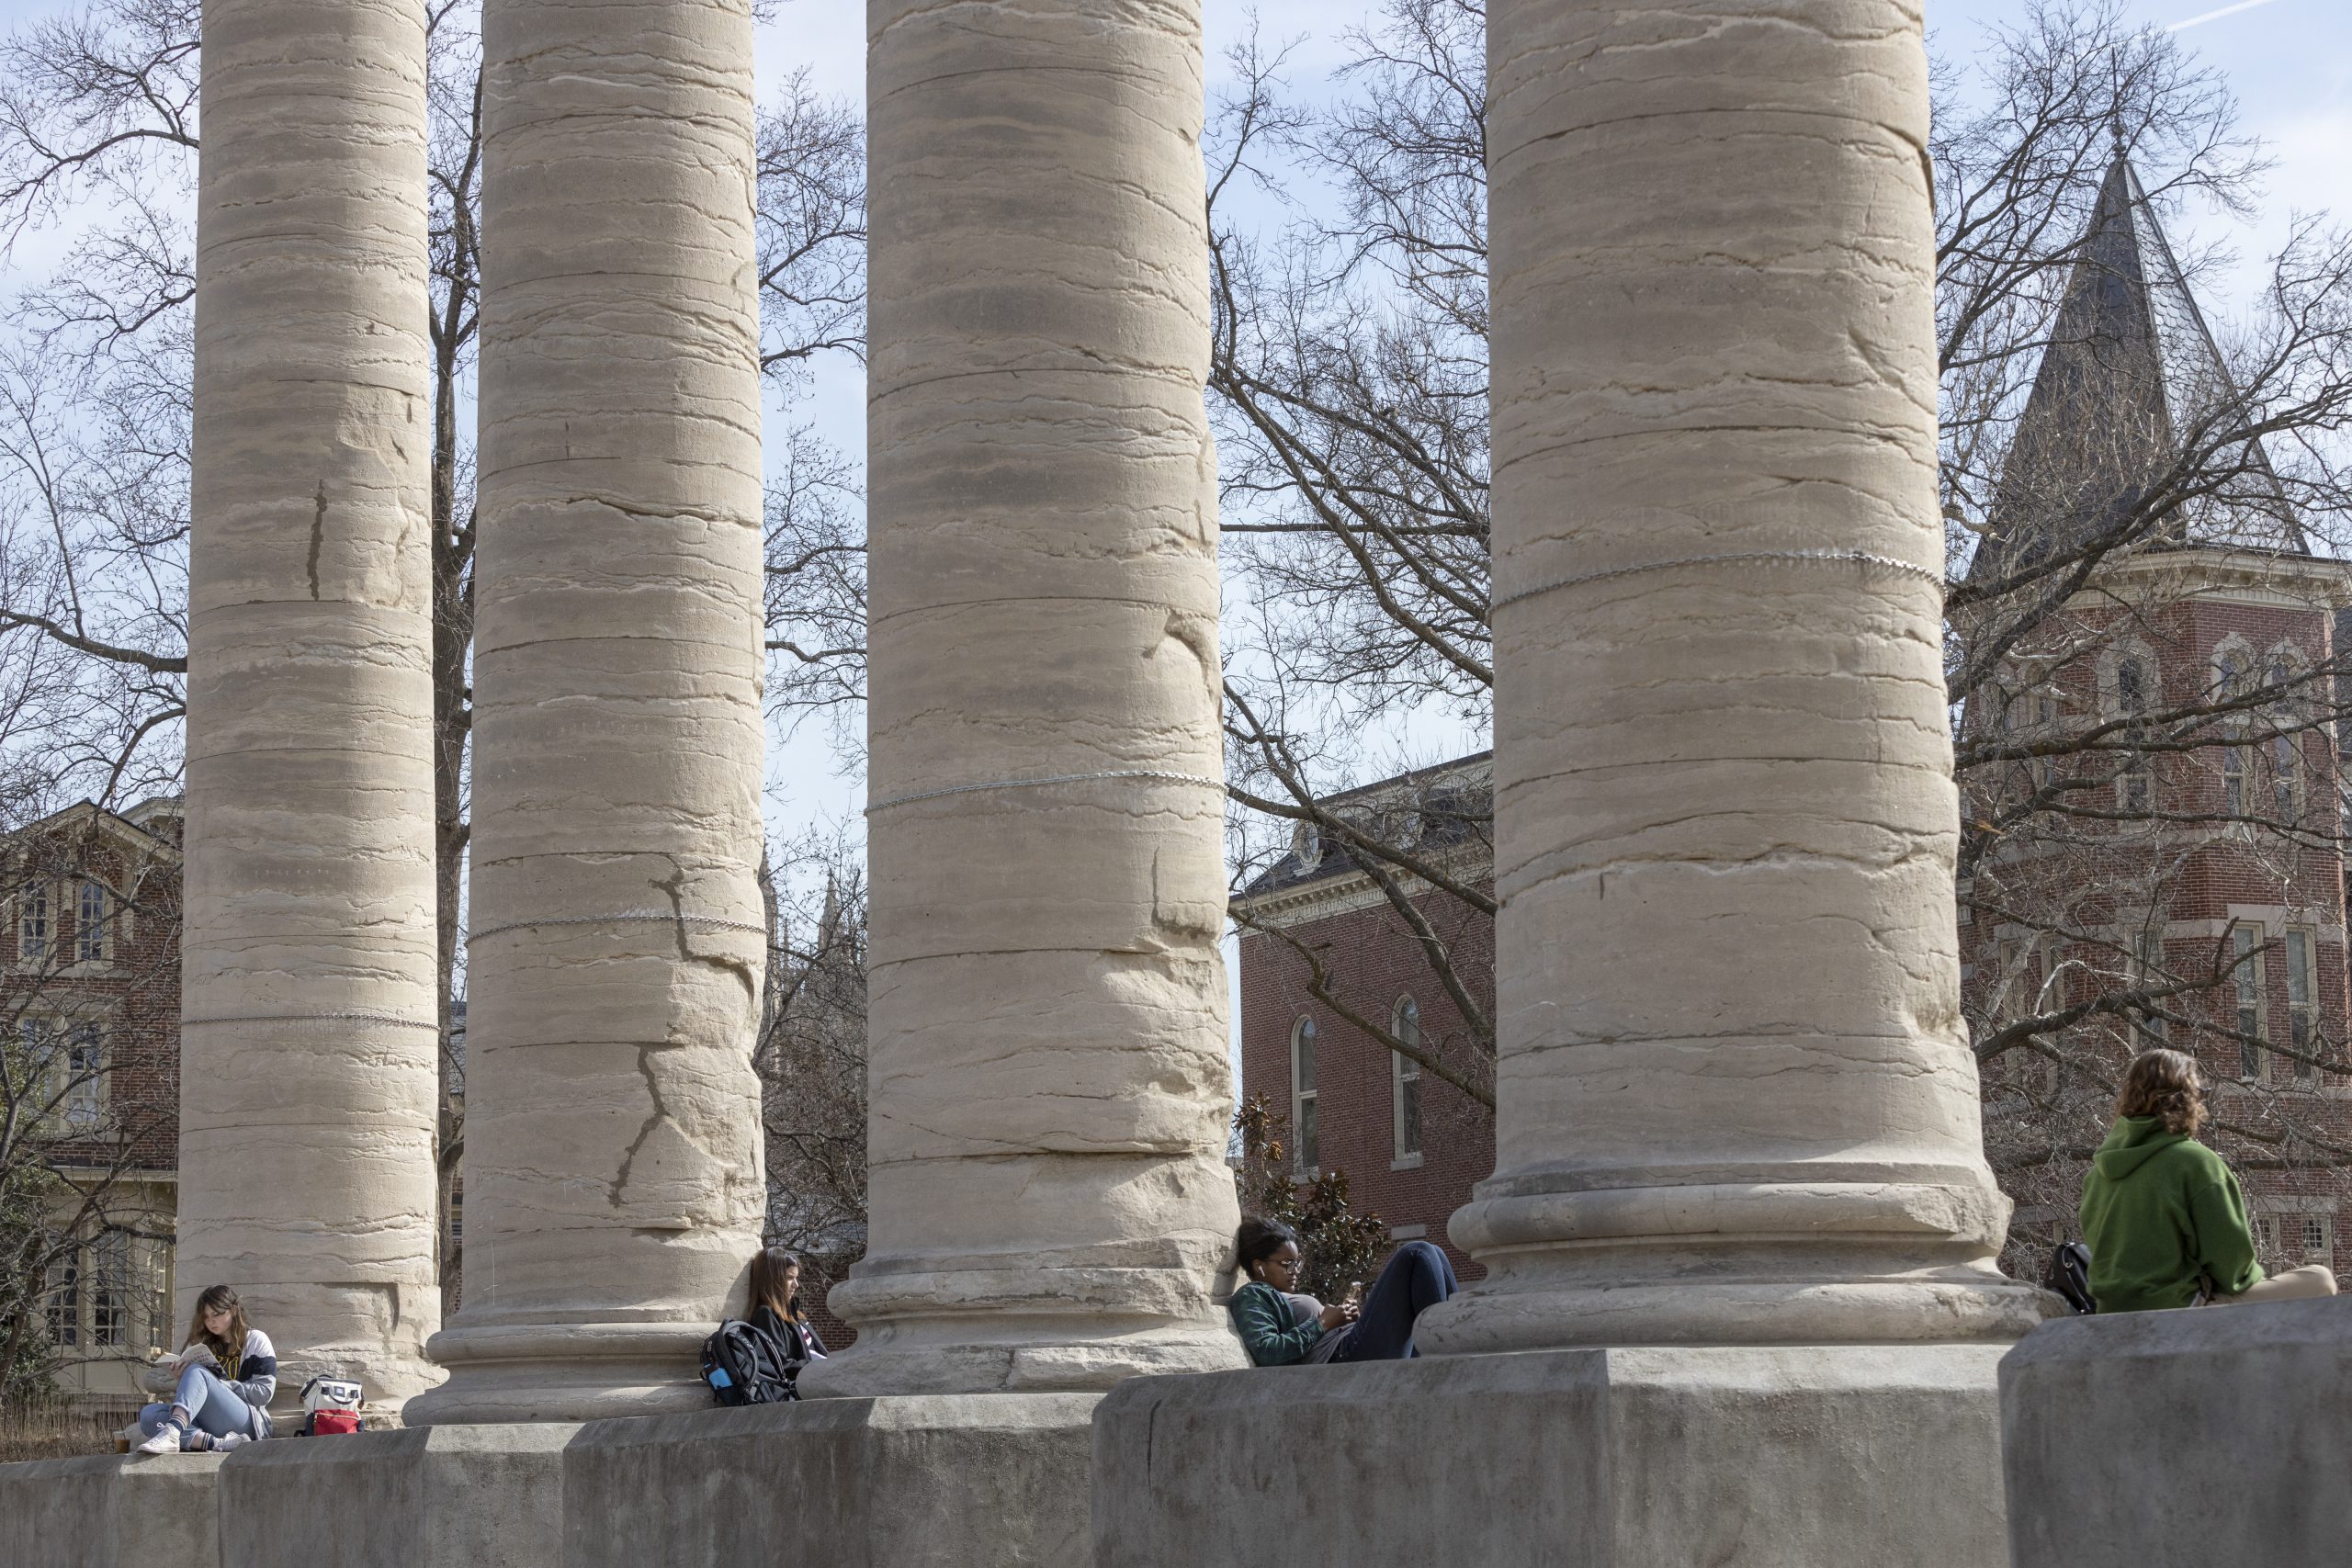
1374, 961
2248, 877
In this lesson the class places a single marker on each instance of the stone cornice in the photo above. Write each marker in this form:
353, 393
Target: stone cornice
1350, 891
2246, 577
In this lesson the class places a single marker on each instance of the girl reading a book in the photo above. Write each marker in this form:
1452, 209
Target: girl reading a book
227, 1373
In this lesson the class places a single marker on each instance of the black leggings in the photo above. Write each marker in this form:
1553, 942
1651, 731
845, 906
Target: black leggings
1418, 1276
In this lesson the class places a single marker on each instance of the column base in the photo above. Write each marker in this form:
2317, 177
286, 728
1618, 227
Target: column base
112, 1511
451, 1497
893, 1359
996, 1481
2218, 1436
562, 1371
1487, 1321
1815, 1457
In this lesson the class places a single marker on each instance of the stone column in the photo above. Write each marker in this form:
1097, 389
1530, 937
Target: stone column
1735, 1100
612, 1174
1049, 1201
308, 1034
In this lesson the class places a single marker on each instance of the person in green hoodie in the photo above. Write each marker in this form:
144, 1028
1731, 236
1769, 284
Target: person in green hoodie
2163, 1214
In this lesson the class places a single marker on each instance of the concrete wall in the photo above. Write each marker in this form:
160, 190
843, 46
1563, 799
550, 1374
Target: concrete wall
2158, 1437
992, 1481
473, 1496
110, 1512
1808, 1458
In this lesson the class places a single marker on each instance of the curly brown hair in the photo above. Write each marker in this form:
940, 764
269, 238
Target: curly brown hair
2165, 1084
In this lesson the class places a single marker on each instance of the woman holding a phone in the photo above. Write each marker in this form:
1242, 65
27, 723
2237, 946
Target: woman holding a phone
226, 1374
1279, 1328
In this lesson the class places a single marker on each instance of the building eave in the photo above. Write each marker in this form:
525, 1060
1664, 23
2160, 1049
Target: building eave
121, 830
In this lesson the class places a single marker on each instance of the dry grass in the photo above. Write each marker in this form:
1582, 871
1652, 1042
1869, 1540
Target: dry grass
58, 1431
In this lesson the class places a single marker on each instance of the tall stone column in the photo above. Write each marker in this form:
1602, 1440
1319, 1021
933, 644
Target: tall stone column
1734, 1099
308, 1042
1049, 1201
612, 1173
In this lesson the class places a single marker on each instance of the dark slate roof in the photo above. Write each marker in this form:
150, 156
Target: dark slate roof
2129, 366
1434, 808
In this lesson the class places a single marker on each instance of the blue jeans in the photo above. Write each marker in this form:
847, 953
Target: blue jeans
1421, 1275
211, 1405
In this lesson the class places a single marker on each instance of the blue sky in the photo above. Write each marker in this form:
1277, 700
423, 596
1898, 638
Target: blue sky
2289, 60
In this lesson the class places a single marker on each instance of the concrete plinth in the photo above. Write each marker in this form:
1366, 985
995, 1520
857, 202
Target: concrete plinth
995, 1480
456, 1496
110, 1512
2181, 1437
1819, 1457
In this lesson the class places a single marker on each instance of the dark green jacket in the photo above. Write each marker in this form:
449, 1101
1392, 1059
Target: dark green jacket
2161, 1212
1269, 1332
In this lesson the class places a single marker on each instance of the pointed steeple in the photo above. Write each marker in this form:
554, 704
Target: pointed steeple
2130, 367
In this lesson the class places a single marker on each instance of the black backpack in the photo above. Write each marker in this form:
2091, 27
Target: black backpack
744, 1365
2069, 1274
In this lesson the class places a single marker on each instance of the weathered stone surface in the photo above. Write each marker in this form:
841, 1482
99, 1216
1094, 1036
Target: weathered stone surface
613, 1176
997, 1481
2151, 1438
1869, 1456
1049, 1201
308, 1037
483, 1496
110, 1512
1734, 1099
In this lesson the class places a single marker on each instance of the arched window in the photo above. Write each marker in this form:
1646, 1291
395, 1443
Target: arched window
1305, 1150
1307, 845
1405, 1089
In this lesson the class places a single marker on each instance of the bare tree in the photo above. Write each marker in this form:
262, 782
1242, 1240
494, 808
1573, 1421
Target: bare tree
97, 141
2114, 470
811, 1057
1348, 381
813, 307
1349, 386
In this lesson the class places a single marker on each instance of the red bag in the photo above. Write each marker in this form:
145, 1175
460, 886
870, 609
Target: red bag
333, 1423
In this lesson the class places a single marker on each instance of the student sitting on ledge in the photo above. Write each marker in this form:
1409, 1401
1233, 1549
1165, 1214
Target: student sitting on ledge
227, 1373
2163, 1214
1279, 1328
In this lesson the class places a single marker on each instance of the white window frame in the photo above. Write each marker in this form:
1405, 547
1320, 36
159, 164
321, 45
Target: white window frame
2152, 970
36, 912
1405, 1086
92, 934
2301, 953
114, 1299
2253, 999
61, 1300
1306, 1096
2319, 1241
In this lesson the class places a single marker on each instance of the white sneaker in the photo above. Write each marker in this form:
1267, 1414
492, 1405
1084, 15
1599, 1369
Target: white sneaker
233, 1440
167, 1441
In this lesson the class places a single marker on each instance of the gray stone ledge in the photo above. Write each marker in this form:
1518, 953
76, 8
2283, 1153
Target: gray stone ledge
474, 1496
1815, 1457
110, 1511
2151, 1438
943, 1481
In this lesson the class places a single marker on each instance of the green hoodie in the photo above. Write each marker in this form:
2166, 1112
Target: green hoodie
2160, 1210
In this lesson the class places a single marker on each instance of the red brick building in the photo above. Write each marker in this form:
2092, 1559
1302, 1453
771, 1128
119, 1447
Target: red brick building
2190, 848
1412, 1144
89, 995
